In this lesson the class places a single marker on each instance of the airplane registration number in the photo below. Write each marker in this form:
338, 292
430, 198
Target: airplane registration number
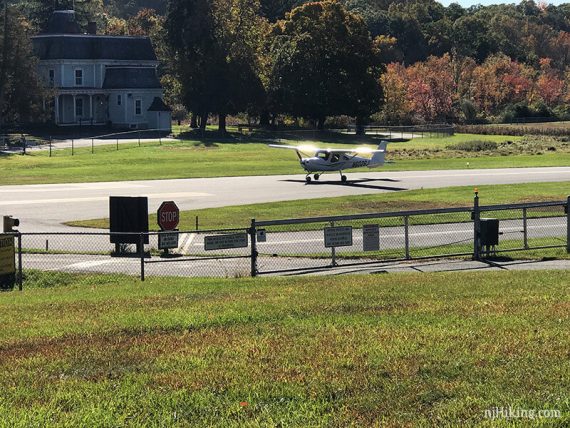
359, 164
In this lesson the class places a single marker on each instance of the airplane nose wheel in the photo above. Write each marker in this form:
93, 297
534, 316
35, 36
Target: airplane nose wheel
343, 178
317, 176
308, 178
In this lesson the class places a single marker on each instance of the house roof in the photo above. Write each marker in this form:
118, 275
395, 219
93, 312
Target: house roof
158, 105
92, 47
131, 78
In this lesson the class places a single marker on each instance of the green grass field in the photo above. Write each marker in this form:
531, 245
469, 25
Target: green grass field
384, 350
251, 156
239, 216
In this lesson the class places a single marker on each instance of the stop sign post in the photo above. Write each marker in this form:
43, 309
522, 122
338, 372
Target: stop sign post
167, 217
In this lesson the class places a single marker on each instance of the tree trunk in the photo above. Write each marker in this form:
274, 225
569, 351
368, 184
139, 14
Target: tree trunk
203, 121
222, 123
194, 121
321, 123
264, 118
360, 126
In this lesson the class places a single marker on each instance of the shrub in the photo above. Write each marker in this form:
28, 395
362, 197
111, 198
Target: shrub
474, 146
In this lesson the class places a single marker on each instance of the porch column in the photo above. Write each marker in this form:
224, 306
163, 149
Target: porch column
74, 109
91, 107
56, 106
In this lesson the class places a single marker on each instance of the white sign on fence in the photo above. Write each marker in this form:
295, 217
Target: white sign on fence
222, 242
167, 241
338, 236
261, 235
371, 237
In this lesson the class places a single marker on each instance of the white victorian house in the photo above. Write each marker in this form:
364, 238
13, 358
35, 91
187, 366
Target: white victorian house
106, 80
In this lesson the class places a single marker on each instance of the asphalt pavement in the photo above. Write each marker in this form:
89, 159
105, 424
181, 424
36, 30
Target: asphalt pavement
44, 207
93, 264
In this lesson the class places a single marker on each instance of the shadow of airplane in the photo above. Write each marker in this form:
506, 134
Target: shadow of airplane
361, 183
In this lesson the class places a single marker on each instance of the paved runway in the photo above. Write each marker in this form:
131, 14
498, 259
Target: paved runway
42, 208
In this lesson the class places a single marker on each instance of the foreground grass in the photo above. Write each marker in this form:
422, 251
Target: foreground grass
393, 350
239, 216
247, 156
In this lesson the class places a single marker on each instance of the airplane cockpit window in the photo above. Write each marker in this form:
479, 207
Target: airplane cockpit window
335, 157
323, 155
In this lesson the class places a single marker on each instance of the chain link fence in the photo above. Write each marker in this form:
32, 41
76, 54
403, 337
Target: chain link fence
293, 245
300, 244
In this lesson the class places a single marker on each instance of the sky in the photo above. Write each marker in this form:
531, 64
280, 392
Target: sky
467, 3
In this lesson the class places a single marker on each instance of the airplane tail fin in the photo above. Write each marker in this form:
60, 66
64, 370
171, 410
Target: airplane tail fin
379, 158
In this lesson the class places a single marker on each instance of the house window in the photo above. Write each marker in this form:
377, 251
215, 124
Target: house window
52, 78
119, 99
78, 77
138, 107
79, 107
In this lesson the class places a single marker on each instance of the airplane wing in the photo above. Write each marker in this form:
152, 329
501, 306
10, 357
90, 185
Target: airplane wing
303, 149
279, 146
312, 149
357, 150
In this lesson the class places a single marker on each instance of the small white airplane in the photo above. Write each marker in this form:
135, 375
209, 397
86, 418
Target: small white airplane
320, 161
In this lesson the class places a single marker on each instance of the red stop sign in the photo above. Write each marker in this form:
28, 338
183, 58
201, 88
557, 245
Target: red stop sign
168, 215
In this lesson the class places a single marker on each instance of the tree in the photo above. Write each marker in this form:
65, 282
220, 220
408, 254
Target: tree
550, 84
324, 63
432, 88
21, 92
38, 12
500, 81
396, 108
216, 44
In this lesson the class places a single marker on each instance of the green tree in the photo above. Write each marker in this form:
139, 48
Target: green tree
216, 44
21, 93
324, 63
38, 12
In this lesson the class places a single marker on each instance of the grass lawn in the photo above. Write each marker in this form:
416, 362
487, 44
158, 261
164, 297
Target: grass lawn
382, 350
239, 216
241, 156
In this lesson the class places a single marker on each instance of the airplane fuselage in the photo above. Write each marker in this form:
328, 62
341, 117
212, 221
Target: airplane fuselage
332, 162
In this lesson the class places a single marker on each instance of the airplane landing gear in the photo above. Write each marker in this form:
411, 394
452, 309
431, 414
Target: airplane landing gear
342, 177
317, 176
308, 178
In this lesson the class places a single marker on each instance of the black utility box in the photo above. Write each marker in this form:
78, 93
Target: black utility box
130, 215
489, 231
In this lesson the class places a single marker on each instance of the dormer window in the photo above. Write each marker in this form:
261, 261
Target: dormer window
78, 77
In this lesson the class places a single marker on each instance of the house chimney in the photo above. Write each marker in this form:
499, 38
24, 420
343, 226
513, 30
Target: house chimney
92, 28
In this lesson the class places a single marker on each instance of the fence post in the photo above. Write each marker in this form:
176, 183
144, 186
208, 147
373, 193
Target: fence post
117, 143
407, 236
525, 229
139, 135
568, 224
141, 249
72, 146
92, 146
50, 147
476, 227
333, 251
254, 254
20, 270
